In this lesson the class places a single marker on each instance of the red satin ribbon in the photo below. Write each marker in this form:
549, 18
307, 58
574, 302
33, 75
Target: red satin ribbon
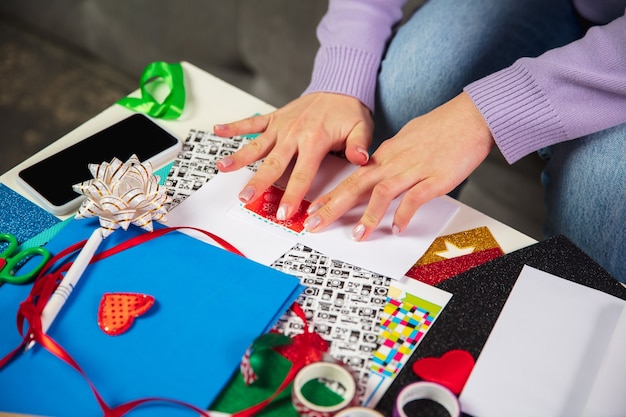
43, 287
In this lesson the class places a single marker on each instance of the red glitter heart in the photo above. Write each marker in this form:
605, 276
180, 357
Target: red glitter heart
450, 370
117, 311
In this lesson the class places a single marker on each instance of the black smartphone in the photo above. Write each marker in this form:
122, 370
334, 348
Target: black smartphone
50, 181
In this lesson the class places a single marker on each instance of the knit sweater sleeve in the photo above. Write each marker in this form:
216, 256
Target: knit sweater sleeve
561, 95
353, 35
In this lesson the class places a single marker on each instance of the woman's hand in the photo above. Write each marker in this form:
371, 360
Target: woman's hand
429, 157
306, 129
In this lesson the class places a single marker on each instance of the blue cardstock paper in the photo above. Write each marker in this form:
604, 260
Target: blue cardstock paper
210, 306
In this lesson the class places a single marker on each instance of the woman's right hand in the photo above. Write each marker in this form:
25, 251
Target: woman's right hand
306, 129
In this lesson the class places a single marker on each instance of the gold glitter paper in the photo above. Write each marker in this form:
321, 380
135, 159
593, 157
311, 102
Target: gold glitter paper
479, 239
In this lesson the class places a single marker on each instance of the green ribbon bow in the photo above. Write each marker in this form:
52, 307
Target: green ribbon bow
155, 75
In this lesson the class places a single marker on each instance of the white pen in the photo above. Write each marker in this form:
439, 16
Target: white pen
69, 281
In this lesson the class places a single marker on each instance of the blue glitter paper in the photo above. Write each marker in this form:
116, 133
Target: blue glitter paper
21, 217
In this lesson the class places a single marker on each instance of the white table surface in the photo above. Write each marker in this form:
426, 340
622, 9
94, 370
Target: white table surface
211, 101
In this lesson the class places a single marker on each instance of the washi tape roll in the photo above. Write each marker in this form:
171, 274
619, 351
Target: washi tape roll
358, 412
427, 391
336, 376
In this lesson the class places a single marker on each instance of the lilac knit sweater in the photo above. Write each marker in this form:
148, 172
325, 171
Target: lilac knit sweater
563, 94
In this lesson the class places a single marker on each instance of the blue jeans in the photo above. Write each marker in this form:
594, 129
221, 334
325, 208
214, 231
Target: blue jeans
447, 44
585, 194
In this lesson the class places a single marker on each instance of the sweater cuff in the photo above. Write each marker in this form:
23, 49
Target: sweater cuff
345, 70
519, 115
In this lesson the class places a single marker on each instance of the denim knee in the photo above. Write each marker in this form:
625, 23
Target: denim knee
585, 185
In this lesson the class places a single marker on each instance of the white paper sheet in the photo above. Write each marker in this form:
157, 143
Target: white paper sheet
545, 351
215, 207
607, 397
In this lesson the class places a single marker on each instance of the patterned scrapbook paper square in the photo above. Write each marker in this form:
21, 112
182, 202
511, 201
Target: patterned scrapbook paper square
266, 206
346, 305
343, 303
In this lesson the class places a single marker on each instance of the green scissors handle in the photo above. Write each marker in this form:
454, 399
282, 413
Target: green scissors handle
11, 261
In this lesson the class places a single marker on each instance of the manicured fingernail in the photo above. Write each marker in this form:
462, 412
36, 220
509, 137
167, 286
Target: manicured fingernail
219, 127
313, 208
312, 222
225, 162
281, 213
246, 194
395, 230
363, 152
358, 232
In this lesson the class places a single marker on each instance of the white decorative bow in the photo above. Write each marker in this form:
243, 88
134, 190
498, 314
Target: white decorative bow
121, 194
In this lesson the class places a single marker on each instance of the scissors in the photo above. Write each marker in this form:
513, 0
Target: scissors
11, 261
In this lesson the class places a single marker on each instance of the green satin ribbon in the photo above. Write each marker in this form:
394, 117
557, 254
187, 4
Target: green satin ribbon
156, 75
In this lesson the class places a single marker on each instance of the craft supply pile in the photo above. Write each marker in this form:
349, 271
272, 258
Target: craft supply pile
166, 294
